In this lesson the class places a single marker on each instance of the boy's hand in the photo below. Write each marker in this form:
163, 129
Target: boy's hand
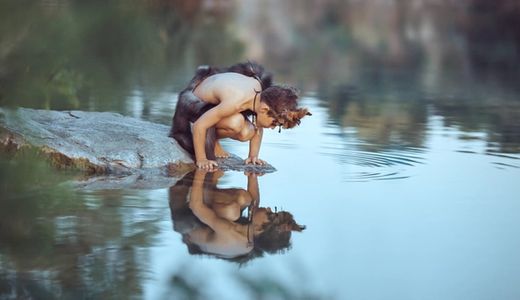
255, 161
207, 164
253, 174
200, 174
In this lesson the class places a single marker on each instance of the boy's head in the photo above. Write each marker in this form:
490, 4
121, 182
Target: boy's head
275, 233
279, 107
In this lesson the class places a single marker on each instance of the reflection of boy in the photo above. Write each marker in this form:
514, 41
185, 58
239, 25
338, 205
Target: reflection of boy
218, 228
218, 102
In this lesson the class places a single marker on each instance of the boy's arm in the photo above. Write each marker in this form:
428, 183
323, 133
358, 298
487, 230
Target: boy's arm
254, 148
252, 186
199, 209
200, 127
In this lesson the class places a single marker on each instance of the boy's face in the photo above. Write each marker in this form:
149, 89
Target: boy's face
263, 119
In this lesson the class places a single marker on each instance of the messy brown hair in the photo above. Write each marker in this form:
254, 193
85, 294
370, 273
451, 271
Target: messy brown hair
283, 104
276, 233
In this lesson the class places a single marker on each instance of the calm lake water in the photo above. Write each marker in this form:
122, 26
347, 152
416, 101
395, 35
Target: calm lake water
405, 176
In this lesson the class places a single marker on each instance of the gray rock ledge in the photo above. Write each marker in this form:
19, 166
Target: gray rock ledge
96, 142
102, 143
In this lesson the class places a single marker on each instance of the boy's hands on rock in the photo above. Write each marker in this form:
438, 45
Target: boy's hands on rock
255, 161
207, 164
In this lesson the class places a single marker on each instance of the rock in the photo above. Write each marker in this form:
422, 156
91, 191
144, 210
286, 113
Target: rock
235, 163
103, 143
97, 142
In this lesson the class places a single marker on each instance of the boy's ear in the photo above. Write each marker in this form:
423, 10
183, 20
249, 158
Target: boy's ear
264, 107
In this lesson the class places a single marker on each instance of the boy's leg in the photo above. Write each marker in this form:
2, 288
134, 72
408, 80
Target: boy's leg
189, 108
219, 151
229, 127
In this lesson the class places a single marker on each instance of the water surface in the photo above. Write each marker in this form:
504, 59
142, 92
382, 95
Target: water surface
405, 176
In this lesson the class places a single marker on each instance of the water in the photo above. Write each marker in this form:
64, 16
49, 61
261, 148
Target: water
405, 176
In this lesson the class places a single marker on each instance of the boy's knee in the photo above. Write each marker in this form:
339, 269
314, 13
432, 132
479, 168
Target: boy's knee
233, 123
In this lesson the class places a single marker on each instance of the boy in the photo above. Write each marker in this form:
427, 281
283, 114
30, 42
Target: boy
219, 101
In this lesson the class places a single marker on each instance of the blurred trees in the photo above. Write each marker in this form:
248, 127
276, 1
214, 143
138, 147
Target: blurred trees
400, 57
91, 55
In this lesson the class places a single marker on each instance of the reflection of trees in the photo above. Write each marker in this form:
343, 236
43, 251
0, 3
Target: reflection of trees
500, 120
59, 243
258, 286
55, 242
380, 120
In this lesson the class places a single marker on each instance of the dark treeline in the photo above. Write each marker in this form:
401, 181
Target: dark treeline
367, 60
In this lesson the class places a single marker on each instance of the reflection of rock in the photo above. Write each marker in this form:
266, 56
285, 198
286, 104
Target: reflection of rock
104, 143
146, 180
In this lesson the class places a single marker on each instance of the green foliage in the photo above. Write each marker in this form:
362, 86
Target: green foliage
92, 54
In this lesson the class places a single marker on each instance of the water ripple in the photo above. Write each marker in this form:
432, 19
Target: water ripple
364, 165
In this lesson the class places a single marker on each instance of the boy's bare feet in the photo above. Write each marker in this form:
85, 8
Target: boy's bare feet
219, 151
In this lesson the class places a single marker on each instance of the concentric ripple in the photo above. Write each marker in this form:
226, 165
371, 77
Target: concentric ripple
363, 165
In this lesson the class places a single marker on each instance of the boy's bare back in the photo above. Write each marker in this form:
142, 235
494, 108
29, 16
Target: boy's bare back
229, 86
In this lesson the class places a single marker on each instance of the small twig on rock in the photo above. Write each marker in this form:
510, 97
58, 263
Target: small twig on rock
72, 115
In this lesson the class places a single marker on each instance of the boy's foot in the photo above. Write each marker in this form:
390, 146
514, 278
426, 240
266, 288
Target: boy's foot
219, 151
